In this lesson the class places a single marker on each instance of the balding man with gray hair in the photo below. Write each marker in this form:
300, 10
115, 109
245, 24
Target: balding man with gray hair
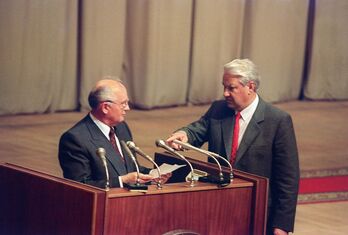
255, 137
104, 127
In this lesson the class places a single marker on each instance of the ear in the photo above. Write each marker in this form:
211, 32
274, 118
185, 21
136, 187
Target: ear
104, 107
252, 86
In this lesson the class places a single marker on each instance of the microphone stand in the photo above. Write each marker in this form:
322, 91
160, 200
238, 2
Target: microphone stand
132, 145
162, 144
137, 186
221, 181
101, 153
225, 160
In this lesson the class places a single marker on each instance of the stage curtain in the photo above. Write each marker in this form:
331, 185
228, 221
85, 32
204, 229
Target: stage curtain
217, 31
274, 38
37, 56
102, 38
168, 52
328, 69
157, 60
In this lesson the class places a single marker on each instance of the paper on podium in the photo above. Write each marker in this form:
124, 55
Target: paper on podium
165, 168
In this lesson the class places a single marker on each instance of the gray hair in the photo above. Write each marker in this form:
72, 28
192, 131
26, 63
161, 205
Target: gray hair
102, 93
245, 69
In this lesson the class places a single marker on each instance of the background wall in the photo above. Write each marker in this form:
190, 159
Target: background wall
168, 52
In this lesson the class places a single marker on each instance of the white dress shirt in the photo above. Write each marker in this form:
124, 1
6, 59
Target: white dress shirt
106, 129
245, 117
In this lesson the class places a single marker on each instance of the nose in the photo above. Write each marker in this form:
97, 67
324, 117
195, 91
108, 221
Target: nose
226, 93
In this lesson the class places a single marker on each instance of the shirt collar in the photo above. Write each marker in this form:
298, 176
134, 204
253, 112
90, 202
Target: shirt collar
248, 112
102, 126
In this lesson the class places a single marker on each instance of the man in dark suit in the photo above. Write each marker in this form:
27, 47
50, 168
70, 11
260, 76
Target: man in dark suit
104, 127
264, 139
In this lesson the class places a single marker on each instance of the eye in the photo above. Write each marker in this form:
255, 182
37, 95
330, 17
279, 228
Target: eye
229, 88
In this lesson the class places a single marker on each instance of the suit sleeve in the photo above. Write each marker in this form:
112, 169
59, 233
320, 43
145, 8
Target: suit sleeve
79, 164
285, 176
198, 131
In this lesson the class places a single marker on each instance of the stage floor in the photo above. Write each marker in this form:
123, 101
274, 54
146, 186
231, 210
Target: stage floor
32, 140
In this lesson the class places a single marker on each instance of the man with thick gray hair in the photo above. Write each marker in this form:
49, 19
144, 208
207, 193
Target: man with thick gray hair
255, 137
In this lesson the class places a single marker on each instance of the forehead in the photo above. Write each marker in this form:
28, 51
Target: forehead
121, 93
229, 79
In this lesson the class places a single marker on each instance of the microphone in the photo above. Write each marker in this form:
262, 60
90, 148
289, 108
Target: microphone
225, 160
137, 185
101, 153
132, 146
162, 144
214, 156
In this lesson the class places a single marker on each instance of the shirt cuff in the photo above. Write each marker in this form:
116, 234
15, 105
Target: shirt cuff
120, 180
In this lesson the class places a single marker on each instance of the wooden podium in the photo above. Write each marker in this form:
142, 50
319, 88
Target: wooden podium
32, 202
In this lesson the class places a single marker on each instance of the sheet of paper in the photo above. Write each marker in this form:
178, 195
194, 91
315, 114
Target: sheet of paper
165, 168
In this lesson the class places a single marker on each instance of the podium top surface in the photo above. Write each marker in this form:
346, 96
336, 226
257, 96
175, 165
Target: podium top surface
178, 188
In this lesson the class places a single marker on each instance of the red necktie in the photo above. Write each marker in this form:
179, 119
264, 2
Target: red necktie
113, 141
235, 138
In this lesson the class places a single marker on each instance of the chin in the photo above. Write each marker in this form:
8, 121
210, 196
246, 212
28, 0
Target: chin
116, 122
232, 106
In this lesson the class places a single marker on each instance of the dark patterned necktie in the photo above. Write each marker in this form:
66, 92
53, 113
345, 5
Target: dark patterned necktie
113, 141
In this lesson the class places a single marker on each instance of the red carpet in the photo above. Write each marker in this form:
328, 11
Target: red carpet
323, 186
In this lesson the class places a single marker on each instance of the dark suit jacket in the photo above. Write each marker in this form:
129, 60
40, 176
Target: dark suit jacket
79, 160
268, 149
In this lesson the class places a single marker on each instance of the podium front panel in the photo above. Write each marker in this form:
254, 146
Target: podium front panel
207, 210
34, 203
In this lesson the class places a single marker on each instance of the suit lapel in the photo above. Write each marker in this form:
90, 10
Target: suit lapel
99, 140
128, 162
250, 134
227, 134
252, 131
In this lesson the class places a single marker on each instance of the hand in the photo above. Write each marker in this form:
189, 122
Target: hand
132, 178
278, 231
164, 178
179, 135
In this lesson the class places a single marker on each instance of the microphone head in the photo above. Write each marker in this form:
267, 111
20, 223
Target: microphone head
131, 144
129, 152
101, 151
160, 143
